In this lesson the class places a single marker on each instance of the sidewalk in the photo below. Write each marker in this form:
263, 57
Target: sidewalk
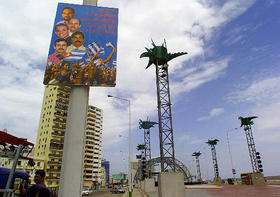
136, 193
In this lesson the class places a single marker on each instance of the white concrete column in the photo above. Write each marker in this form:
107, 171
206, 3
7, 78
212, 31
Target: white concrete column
71, 178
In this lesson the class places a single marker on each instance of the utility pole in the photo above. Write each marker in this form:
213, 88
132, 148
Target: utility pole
231, 162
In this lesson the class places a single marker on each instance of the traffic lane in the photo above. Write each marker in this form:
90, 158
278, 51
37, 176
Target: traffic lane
104, 193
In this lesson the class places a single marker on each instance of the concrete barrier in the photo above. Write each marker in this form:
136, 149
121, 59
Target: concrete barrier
171, 184
149, 185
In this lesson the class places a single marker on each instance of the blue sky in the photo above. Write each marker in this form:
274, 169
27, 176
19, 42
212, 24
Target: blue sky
231, 70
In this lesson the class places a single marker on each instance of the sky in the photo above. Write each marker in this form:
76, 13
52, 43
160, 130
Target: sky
230, 71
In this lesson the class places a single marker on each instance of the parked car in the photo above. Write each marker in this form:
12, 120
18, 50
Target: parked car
86, 191
117, 190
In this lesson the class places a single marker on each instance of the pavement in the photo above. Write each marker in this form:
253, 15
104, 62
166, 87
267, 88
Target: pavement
220, 191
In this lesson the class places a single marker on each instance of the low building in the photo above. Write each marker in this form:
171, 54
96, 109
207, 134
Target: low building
23, 165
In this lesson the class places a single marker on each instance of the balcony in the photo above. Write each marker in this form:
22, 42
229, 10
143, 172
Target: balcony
55, 141
63, 96
61, 128
57, 120
55, 155
53, 170
65, 102
64, 89
61, 107
61, 115
56, 147
54, 163
52, 178
56, 134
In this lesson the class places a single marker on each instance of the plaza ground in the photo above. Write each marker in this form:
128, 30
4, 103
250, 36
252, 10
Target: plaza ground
208, 191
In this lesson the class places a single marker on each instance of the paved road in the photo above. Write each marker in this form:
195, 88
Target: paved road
104, 193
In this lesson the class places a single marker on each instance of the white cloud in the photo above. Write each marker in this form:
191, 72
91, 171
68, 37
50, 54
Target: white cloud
214, 112
263, 90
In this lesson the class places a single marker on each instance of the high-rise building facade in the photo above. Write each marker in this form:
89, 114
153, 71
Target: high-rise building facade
93, 144
52, 127
50, 137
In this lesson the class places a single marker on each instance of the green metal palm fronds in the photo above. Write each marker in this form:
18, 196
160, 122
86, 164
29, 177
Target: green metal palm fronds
141, 147
138, 156
247, 120
212, 142
158, 55
196, 154
146, 124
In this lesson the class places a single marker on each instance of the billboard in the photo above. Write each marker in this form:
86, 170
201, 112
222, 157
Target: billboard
83, 48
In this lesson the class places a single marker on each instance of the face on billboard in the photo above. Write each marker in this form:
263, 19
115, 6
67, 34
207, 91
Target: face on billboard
60, 47
77, 40
74, 25
67, 14
83, 48
61, 31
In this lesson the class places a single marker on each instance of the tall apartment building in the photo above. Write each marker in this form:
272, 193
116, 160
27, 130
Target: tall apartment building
50, 137
92, 158
52, 127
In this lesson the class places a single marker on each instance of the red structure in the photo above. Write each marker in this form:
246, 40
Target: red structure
14, 147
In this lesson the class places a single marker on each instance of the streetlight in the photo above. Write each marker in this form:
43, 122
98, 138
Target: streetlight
130, 145
229, 151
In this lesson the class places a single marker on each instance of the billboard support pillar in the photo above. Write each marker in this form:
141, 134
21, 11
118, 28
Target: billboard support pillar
71, 179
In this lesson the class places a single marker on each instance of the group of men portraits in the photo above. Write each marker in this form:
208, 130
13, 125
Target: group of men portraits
72, 62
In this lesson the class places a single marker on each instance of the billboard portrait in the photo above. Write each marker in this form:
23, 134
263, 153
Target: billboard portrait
83, 48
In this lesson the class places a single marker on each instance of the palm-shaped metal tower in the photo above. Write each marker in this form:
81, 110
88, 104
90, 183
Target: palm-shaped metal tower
196, 155
212, 144
142, 159
254, 155
159, 56
146, 125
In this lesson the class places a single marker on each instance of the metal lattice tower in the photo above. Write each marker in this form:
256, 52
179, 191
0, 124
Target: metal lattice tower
146, 125
159, 56
165, 117
212, 144
147, 141
255, 159
251, 147
215, 162
196, 155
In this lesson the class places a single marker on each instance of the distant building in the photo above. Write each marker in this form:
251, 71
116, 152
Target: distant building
92, 160
119, 179
106, 165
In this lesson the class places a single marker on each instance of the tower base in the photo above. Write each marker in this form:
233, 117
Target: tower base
257, 178
217, 181
171, 184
